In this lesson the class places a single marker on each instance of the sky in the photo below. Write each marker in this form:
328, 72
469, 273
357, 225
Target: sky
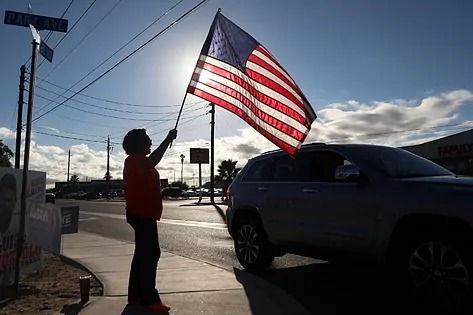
394, 72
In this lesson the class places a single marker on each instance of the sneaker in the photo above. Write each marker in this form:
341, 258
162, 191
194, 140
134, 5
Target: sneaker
158, 307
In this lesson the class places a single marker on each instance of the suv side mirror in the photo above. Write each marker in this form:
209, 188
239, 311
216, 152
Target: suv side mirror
347, 173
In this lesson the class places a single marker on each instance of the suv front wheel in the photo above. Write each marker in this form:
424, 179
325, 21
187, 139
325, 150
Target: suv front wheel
438, 270
251, 245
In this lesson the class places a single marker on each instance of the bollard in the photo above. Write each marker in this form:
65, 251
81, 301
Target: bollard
84, 282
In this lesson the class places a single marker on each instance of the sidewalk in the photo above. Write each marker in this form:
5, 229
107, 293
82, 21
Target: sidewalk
188, 286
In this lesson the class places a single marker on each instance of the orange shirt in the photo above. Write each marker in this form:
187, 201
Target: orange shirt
142, 188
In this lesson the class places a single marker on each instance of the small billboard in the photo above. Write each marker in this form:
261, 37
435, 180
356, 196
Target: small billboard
199, 156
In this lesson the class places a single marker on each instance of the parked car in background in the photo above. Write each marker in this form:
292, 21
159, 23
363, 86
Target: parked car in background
372, 204
173, 192
50, 197
191, 193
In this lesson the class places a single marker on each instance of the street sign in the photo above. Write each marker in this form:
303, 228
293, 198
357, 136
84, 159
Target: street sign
38, 21
198, 156
46, 51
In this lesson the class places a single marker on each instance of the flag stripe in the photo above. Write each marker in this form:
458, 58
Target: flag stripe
231, 89
270, 82
275, 132
292, 150
238, 85
263, 64
211, 63
266, 57
277, 65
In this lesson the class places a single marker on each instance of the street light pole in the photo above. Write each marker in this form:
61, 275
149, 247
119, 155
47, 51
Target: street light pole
182, 168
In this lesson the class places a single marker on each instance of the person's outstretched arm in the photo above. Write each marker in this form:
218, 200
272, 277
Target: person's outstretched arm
156, 156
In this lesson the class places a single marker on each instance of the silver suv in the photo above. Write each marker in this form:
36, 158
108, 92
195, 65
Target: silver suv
368, 203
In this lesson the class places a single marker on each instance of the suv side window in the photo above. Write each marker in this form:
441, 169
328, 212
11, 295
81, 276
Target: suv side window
260, 171
319, 166
284, 168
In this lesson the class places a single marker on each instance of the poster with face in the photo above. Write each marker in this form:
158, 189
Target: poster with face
10, 209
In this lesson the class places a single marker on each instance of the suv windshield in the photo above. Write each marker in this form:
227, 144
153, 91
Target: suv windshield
398, 163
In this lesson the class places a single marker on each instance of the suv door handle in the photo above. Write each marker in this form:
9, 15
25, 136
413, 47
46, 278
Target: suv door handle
309, 191
262, 189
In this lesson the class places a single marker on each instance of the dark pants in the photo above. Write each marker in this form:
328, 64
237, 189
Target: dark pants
142, 282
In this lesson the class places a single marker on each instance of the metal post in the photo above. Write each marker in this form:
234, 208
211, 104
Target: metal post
20, 116
24, 186
182, 168
68, 166
200, 183
212, 147
108, 169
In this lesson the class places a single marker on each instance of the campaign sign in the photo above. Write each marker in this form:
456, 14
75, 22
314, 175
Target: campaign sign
70, 220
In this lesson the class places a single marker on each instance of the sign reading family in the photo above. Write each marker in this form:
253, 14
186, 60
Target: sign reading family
38, 21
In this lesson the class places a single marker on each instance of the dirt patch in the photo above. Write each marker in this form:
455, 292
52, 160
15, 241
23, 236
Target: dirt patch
54, 287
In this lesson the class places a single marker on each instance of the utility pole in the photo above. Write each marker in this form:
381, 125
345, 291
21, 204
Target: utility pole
182, 168
68, 166
26, 161
20, 116
212, 147
108, 169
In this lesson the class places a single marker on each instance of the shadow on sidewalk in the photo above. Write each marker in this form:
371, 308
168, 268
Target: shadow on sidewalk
136, 310
323, 289
217, 205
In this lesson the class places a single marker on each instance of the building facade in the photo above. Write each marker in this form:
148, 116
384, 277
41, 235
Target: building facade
454, 152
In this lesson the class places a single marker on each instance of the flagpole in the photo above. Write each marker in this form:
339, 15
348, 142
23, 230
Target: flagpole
190, 80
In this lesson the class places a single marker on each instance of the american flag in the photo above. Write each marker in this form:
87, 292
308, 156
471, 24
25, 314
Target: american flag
237, 73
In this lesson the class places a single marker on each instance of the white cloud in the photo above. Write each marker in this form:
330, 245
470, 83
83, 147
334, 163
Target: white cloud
381, 122
49, 149
397, 122
6, 133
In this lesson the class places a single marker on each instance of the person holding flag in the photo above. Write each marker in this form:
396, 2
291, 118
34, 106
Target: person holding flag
144, 206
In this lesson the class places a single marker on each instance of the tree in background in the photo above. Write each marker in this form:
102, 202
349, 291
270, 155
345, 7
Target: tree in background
5, 155
74, 180
227, 171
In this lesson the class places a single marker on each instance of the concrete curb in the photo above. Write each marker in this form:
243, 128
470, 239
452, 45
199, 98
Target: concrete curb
80, 265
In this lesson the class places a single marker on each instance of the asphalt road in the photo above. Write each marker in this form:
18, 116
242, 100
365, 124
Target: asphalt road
199, 232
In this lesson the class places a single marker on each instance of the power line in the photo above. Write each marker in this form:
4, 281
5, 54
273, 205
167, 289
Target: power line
113, 101
101, 125
83, 38
108, 108
93, 70
62, 15
70, 132
71, 138
100, 114
110, 116
128, 56
92, 140
72, 27
185, 122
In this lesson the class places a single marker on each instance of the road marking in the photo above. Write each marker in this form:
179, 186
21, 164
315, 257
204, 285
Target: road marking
209, 243
207, 225
88, 219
